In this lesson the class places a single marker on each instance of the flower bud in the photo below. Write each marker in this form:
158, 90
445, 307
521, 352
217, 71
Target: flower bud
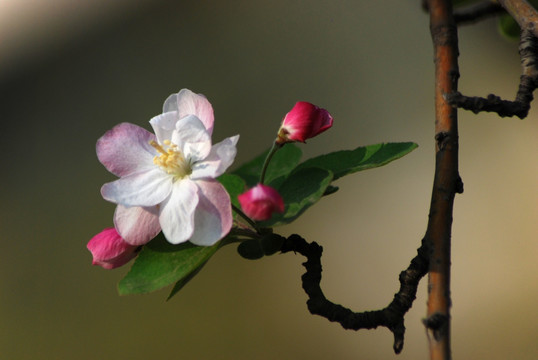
109, 250
260, 202
304, 121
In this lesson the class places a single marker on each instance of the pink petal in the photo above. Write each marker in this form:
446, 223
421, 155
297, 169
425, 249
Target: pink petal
125, 149
177, 212
304, 121
189, 103
325, 120
109, 250
213, 216
137, 225
222, 155
260, 202
147, 188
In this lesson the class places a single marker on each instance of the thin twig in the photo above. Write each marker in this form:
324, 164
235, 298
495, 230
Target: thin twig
476, 12
446, 179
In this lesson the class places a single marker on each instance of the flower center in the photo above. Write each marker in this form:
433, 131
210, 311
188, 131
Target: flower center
171, 159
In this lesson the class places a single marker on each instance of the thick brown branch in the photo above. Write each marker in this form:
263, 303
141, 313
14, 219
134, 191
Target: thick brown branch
391, 317
446, 179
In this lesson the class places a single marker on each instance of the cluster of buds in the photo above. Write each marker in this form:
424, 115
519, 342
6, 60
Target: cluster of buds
304, 121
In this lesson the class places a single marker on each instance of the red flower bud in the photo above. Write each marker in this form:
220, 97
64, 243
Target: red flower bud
260, 202
109, 250
304, 121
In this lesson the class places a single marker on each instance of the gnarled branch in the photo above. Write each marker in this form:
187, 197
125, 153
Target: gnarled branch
528, 50
391, 316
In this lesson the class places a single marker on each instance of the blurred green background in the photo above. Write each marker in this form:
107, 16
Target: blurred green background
71, 70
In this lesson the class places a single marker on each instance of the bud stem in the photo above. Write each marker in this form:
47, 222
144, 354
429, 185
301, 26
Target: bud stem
244, 216
273, 150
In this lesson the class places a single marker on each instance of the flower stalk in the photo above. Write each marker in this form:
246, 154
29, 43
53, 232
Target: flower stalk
252, 223
268, 158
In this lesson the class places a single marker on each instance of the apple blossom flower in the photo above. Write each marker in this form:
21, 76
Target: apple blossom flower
109, 250
167, 180
304, 121
260, 202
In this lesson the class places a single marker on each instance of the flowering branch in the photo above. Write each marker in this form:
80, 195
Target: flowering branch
391, 317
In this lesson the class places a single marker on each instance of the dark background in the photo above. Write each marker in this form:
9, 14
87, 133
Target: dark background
68, 73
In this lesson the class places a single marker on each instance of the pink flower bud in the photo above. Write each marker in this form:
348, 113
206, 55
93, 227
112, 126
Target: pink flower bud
109, 250
304, 121
260, 202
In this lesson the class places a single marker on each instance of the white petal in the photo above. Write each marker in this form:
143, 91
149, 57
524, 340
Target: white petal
170, 104
146, 188
222, 155
192, 138
164, 125
125, 149
213, 216
189, 103
137, 225
177, 212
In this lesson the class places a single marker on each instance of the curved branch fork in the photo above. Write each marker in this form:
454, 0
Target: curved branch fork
528, 82
391, 317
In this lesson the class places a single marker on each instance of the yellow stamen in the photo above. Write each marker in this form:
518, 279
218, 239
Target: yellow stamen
171, 159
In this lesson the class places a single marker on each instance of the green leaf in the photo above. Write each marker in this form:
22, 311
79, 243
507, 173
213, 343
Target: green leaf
251, 249
160, 264
508, 27
271, 243
346, 162
331, 189
234, 185
254, 249
181, 283
282, 163
300, 190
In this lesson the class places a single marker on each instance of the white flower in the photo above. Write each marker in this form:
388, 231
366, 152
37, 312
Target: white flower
167, 180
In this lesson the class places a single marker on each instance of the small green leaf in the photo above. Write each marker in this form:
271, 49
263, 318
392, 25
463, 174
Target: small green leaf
234, 185
282, 163
508, 27
300, 190
160, 264
271, 243
251, 249
254, 249
331, 189
346, 162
